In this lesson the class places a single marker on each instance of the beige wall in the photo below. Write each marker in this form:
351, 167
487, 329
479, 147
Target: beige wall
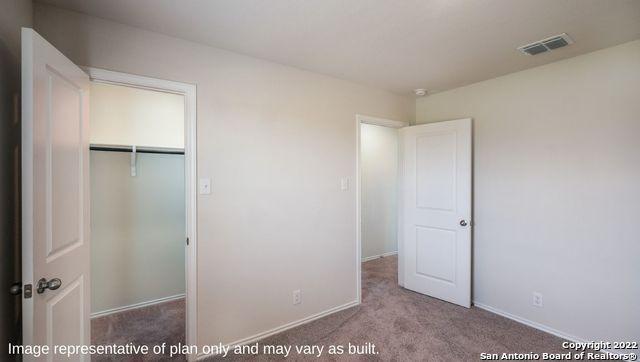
556, 197
132, 116
379, 180
275, 141
14, 14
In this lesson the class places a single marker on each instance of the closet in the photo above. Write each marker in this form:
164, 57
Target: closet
137, 213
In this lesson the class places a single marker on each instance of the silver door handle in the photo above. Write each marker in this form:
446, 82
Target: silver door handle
463, 222
52, 284
16, 289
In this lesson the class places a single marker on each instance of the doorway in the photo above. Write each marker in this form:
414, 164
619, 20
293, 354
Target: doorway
427, 206
143, 210
377, 182
379, 185
137, 215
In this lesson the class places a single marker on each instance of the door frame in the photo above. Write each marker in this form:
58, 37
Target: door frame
189, 92
360, 119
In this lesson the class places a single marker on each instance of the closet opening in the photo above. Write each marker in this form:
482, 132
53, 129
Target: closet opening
139, 215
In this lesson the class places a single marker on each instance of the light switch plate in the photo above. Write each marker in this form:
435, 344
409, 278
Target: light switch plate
344, 184
204, 186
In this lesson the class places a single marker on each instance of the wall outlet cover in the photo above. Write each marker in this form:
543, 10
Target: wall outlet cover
537, 300
204, 186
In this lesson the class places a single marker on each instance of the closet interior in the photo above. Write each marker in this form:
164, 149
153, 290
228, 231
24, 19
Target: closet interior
138, 216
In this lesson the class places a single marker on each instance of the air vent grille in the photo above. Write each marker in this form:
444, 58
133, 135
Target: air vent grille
545, 45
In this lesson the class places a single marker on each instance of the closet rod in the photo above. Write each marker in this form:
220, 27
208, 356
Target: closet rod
139, 149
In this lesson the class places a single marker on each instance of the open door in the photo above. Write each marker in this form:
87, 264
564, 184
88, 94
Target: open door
435, 210
55, 197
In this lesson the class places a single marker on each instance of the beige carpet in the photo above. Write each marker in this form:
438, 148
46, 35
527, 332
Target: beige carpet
152, 325
403, 325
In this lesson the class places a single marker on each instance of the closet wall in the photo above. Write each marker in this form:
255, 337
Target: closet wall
137, 222
128, 116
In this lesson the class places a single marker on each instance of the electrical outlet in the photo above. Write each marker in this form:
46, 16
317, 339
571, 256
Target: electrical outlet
204, 186
297, 297
537, 299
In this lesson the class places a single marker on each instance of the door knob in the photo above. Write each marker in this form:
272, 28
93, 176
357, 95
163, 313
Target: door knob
463, 222
52, 284
15, 289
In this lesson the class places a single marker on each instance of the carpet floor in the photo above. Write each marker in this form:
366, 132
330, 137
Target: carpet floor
403, 326
151, 325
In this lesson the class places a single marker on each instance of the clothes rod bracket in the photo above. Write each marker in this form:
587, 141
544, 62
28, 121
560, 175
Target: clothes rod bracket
133, 162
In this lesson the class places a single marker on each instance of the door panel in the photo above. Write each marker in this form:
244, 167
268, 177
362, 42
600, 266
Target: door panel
64, 312
55, 203
436, 171
436, 254
435, 248
64, 162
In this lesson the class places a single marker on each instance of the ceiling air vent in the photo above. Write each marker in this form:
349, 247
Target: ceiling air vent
545, 45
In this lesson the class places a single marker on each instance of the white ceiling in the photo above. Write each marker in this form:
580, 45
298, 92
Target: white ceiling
396, 45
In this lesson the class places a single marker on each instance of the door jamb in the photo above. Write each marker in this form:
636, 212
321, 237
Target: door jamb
189, 92
376, 122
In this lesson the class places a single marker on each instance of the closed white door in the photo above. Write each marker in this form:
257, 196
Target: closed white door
55, 197
435, 210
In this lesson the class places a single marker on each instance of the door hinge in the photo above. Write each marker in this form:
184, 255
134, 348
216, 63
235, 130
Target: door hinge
27, 290
187, 241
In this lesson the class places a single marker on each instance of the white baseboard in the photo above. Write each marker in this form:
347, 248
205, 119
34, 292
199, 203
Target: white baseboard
379, 256
284, 327
136, 305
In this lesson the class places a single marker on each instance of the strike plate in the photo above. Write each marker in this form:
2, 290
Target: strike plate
28, 291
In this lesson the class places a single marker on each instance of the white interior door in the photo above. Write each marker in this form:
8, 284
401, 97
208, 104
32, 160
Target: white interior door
435, 210
55, 197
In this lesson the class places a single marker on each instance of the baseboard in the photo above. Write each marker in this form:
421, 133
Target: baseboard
536, 325
284, 327
136, 305
379, 256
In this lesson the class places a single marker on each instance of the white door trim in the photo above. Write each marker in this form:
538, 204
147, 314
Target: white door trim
380, 122
189, 93
376, 122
